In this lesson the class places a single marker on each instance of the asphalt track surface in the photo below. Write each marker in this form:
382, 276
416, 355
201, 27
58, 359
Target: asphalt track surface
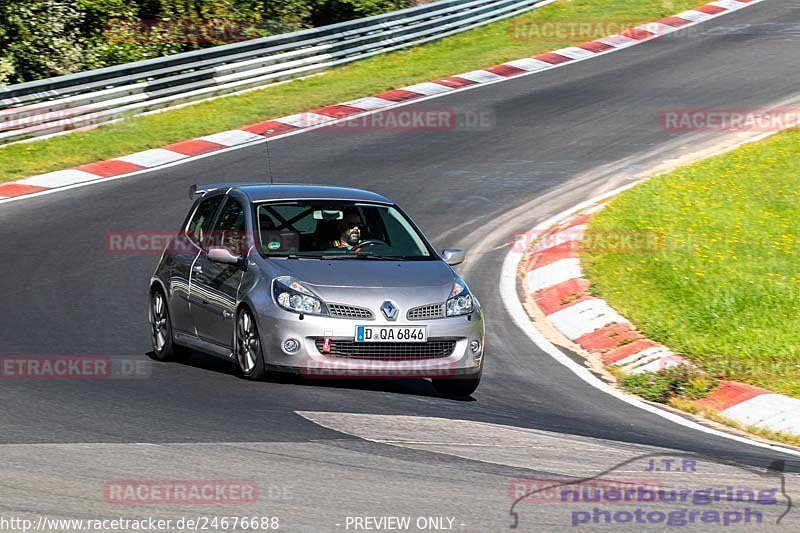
556, 138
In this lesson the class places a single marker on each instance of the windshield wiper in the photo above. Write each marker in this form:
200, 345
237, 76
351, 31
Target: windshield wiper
364, 255
356, 255
294, 256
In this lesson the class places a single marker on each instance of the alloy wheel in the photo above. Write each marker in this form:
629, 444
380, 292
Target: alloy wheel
159, 327
247, 343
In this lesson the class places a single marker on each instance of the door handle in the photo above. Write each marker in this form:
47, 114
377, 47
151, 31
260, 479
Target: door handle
198, 269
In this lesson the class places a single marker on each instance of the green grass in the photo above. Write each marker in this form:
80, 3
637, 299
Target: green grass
681, 381
479, 48
725, 287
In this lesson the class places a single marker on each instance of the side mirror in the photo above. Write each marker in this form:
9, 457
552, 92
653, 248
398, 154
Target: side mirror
225, 256
453, 256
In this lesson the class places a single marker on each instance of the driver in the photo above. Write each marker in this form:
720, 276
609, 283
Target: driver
350, 228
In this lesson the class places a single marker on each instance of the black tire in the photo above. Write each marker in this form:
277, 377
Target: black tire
247, 347
457, 388
164, 347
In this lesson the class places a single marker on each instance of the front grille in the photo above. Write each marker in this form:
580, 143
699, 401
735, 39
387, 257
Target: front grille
349, 311
432, 349
426, 311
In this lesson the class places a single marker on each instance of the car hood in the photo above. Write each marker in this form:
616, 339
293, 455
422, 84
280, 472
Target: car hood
370, 273
369, 282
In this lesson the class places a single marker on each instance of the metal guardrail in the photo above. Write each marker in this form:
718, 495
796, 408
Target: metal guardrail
63, 104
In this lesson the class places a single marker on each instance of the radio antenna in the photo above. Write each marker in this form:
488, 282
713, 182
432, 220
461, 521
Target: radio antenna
269, 159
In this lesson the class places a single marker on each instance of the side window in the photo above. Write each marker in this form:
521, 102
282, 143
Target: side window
200, 224
230, 229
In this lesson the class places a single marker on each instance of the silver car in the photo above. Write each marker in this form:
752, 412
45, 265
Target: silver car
326, 282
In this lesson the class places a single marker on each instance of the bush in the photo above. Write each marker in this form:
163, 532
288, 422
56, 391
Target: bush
681, 381
46, 38
332, 11
41, 39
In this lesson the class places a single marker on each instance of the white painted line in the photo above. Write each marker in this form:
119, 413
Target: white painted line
618, 41
652, 359
232, 137
573, 52
774, 411
305, 120
60, 178
152, 158
657, 28
370, 103
553, 274
593, 210
480, 76
518, 314
728, 4
529, 64
584, 317
427, 88
646, 354
575, 232
667, 361
569, 235
694, 16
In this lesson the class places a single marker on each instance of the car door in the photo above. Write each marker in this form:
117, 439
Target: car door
180, 256
214, 287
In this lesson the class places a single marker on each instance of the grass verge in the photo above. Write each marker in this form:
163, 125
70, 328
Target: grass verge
678, 382
680, 387
492, 44
777, 436
723, 286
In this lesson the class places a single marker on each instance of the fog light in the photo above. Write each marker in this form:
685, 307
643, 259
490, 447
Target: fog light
475, 346
291, 345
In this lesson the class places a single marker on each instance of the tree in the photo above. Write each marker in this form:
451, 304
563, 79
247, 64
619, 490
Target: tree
41, 39
46, 38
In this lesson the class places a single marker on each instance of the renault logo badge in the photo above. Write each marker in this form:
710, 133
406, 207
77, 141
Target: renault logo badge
389, 310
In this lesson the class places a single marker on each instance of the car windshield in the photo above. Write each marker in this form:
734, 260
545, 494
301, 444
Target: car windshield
335, 229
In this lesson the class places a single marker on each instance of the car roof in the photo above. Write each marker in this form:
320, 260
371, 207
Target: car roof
258, 192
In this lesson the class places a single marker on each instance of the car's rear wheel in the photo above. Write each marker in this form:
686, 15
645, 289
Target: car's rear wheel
164, 348
247, 347
457, 387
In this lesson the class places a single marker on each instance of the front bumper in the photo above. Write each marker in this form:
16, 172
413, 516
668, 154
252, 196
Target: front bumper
278, 326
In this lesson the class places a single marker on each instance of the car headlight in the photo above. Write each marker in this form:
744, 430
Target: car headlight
293, 296
460, 301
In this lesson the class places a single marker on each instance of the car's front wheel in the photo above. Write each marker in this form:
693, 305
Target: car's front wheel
457, 387
247, 347
164, 349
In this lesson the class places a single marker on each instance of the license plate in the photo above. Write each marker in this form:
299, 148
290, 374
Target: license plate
391, 334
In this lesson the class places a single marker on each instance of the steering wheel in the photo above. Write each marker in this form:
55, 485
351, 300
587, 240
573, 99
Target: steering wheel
370, 242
